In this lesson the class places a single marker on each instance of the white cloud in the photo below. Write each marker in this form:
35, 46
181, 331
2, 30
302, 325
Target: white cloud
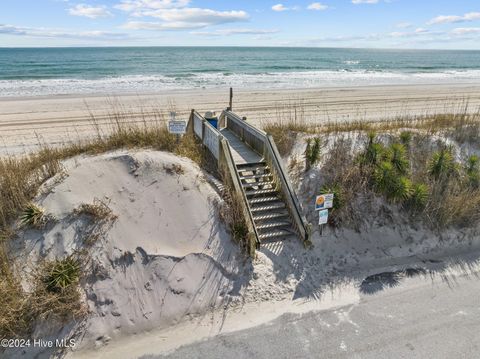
356, 2
447, 19
228, 32
466, 31
279, 7
403, 25
55, 33
175, 15
92, 12
317, 6
197, 15
135, 6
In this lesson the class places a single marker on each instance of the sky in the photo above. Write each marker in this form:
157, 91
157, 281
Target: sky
416, 24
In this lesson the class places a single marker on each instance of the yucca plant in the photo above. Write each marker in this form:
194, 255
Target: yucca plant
312, 152
374, 151
398, 158
32, 215
383, 176
419, 196
61, 274
472, 169
390, 183
442, 164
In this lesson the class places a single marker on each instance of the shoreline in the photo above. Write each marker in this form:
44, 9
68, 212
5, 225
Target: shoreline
222, 89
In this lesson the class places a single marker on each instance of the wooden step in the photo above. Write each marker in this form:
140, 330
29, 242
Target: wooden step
275, 215
270, 207
262, 199
272, 225
253, 169
258, 176
275, 234
257, 192
242, 166
256, 184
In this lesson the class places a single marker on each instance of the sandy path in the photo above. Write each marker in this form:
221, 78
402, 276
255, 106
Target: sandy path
24, 122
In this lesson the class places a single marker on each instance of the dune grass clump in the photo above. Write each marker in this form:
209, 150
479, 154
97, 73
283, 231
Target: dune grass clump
61, 274
98, 210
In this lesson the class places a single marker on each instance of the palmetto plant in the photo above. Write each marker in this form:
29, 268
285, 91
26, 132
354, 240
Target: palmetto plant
442, 164
61, 274
32, 215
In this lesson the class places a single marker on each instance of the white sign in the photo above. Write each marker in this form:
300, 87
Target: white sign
324, 201
323, 216
177, 127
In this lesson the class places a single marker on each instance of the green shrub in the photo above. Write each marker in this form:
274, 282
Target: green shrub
61, 274
442, 164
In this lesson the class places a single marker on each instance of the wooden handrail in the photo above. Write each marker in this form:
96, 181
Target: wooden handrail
287, 188
239, 190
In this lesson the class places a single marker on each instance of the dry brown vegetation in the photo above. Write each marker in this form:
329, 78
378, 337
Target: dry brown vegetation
98, 209
462, 126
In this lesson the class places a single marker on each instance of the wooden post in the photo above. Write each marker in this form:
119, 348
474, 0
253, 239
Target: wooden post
190, 124
230, 107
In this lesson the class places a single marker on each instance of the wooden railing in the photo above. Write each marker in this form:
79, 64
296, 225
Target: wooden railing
208, 134
252, 136
264, 144
219, 147
272, 157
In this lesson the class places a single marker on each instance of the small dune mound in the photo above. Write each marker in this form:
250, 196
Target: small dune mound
154, 249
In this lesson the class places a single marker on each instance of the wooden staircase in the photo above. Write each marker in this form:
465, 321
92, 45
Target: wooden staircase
269, 211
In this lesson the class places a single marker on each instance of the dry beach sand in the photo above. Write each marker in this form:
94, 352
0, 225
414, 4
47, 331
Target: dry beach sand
24, 122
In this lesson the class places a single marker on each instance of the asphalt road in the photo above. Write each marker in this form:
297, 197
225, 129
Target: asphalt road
414, 319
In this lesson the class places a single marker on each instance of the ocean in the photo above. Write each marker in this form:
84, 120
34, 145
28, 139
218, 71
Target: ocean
60, 71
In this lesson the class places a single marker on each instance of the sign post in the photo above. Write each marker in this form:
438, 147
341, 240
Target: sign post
322, 204
176, 127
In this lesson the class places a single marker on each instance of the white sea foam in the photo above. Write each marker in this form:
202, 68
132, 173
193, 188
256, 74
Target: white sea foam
158, 83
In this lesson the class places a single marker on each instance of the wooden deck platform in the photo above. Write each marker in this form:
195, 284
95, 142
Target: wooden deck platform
240, 151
